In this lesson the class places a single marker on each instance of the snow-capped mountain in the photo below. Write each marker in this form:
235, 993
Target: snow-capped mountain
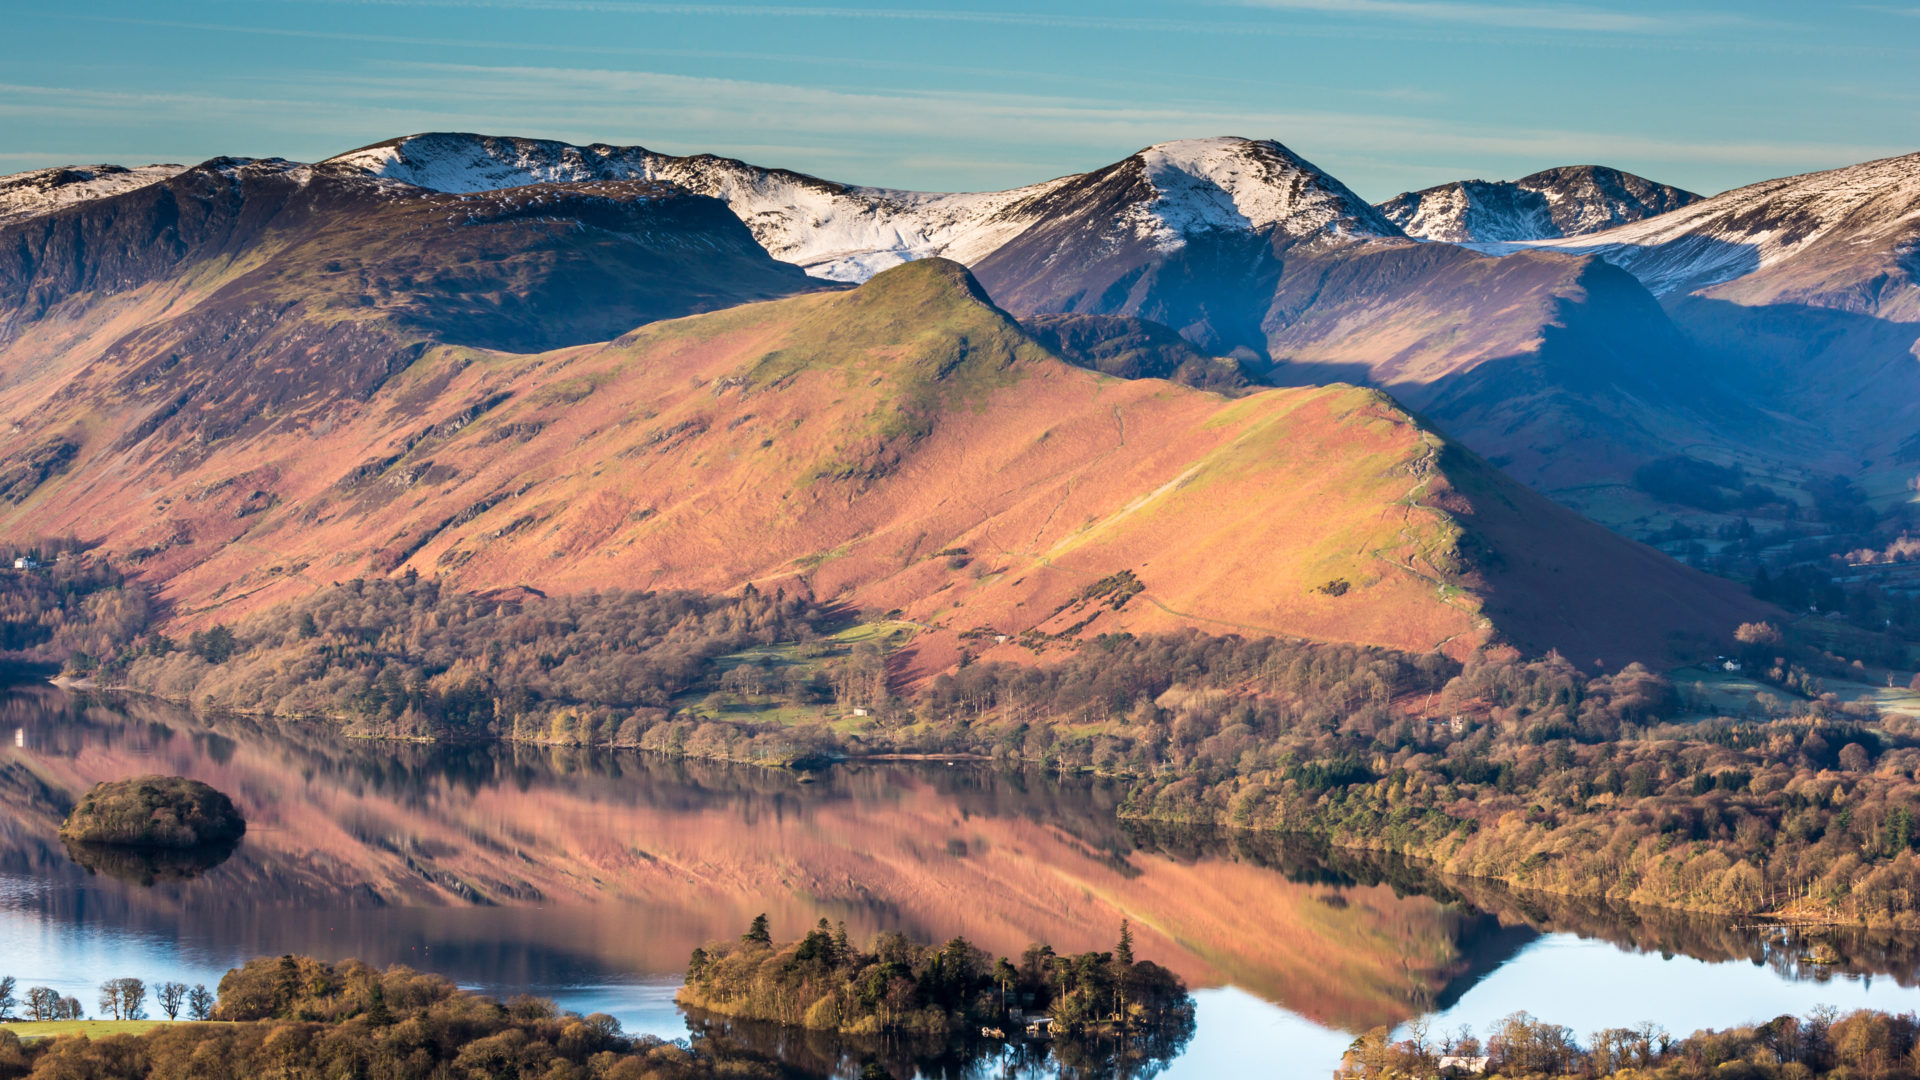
1188, 233
1571, 201
1237, 185
1843, 221
42, 191
846, 232
841, 232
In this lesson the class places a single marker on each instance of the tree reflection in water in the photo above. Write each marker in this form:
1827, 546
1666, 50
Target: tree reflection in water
1090, 1056
513, 866
150, 866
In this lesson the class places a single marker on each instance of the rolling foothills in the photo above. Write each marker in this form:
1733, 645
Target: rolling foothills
1196, 469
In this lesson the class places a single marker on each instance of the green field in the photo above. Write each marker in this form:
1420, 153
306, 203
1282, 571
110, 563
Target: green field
46, 1029
1719, 693
813, 658
1715, 693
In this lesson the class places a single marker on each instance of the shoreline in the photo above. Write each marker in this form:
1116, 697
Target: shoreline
802, 767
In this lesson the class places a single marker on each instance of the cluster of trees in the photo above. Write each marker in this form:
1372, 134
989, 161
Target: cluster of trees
120, 999
67, 608
295, 1016
1182, 701
1865, 1043
1704, 485
823, 981
40, 1003
404, 657
1558, 781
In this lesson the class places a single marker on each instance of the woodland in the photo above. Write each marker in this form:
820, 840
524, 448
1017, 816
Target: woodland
1864, 1043
296, 1016
1533, 772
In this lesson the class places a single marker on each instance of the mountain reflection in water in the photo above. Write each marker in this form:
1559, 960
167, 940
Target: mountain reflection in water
509, 867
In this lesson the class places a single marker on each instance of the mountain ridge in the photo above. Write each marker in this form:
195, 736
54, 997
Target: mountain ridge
1572, 200
846, 232
848, 443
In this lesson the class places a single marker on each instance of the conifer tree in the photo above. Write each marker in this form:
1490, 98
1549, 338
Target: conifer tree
759, 932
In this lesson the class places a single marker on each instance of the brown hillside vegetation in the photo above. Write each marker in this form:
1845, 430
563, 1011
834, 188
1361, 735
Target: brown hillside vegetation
900, 446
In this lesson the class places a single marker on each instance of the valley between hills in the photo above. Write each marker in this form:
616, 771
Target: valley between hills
1195, 470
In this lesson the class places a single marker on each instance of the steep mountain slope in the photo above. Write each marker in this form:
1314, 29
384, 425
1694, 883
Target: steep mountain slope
1563, 371
42, 191
1240, 246
1188, 234
837, 231
1132, 349
247, 295
900, 446
1805, 292
1821, 237
1570, 201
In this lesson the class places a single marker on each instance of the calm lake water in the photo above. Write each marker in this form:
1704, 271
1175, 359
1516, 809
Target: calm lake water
589, 877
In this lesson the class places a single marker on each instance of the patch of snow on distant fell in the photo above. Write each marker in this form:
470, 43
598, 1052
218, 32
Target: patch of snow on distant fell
42, 191
1239, 185
1748, 229
834, 231
463, 164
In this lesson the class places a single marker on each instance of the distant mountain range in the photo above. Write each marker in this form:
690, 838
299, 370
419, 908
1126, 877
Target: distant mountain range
472, 355
1571, 201
29, 194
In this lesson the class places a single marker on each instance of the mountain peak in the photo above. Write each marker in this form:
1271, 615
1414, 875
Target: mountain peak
1572, 200
1238, 184
460, 162
1867, 216
42, 191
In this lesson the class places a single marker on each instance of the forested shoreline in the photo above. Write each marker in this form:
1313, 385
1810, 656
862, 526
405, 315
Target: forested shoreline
1529, 772
1858, 1044
297, 1016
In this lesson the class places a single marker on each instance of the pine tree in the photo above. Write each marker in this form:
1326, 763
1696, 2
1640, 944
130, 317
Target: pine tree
1124, 953
377, 1012
759, 932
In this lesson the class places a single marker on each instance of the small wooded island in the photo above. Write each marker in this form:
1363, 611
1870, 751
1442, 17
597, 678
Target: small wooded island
154, 812
825, 982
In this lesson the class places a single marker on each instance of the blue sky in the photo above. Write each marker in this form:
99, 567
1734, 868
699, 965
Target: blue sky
1386, 94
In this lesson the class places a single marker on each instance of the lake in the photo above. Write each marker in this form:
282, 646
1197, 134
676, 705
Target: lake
588, 877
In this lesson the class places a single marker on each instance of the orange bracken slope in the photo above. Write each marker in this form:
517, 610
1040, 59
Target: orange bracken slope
899, 446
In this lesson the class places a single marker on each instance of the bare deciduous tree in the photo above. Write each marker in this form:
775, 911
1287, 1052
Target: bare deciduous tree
171, 996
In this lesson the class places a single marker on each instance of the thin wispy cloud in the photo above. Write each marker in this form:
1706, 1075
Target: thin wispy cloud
577, 48
914, 96
782, 11
1513, 16
1049, 119
834, 131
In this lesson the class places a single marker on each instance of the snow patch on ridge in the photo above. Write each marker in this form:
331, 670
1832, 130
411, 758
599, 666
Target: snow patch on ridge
843, 232
1739, 232
42, 191
1240, 185
1569, 201
835, 231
